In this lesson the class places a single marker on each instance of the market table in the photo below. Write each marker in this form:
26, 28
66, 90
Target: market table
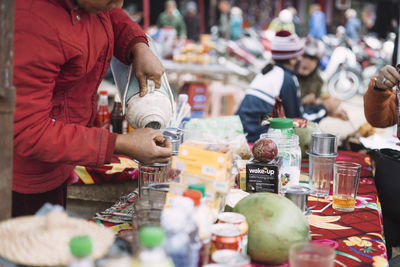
356, 236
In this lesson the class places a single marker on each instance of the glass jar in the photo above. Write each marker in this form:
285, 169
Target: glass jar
281, 127
289, 150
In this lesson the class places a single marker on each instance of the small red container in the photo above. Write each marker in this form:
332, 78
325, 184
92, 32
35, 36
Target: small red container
239, 221
226, 236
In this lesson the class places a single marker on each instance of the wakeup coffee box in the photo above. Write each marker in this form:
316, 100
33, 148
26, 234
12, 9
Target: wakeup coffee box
263, 176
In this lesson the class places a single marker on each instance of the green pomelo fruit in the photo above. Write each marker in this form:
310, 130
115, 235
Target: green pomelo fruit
275, 223
305, 136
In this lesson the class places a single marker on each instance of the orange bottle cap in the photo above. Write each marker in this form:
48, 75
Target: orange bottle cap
194, 195
103, 92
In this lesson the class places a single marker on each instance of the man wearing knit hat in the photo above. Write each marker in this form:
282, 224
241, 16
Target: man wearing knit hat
277, 79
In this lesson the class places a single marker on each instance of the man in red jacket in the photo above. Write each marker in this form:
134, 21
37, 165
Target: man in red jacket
62, 49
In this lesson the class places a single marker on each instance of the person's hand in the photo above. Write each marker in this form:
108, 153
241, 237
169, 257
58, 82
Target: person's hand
308, 100
141, 145
146, 67
340, 114
331, 104
387, 78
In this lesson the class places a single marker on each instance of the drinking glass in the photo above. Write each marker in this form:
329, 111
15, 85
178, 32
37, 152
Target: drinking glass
148, 174
345, 185
311, 255
321, 174
157, 194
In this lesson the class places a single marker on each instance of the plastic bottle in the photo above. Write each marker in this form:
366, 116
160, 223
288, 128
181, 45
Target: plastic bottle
81, 248
117, 116
103, 114
177, 243
151, 239
204, 220
186, 205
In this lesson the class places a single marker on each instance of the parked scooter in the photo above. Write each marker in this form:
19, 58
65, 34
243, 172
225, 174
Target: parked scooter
351, 65
343, 73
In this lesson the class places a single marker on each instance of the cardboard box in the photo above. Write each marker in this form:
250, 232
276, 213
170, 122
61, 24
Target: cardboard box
263, 176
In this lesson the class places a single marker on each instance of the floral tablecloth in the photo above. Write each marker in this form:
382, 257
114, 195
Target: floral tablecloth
356, 236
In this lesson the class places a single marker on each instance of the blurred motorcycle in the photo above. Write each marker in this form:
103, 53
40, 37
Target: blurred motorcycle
352, 65
343, 72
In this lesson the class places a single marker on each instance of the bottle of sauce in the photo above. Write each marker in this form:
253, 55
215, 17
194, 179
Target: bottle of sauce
103, 114
117, 117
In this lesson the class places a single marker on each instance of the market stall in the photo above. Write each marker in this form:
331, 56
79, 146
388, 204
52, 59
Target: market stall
357, 237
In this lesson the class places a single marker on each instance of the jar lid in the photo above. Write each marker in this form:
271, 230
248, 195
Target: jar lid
281, 123
80, 246
151, 236
199, 187
194, 195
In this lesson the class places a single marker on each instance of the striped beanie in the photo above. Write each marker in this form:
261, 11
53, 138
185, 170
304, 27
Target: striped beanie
286, 46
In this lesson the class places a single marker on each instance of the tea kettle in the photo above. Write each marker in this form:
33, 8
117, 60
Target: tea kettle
156, 108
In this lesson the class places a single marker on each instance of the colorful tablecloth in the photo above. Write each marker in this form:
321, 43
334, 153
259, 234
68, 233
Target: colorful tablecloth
121, 168
356, 236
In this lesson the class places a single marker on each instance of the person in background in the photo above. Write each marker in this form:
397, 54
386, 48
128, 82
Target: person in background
311, 83
236, 21
277, 80
380, 102
353, 24
283, 22
171, 17
56, 94
224, 25
134, 13
317, 23
296, 20
192, 21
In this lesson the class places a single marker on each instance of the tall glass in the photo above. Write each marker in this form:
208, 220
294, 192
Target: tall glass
345, 185
311, 255
321, 174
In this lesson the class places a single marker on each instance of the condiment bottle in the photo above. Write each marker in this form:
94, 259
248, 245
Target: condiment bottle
81, 248
177, 243
103, 114
151, 238
117, 116
203, 217
185, 204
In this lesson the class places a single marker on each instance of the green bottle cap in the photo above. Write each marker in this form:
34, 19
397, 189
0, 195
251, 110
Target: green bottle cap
281, 123
199, 187
80, 246
151, 236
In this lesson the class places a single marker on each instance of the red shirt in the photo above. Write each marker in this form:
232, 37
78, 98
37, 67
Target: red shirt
61, 54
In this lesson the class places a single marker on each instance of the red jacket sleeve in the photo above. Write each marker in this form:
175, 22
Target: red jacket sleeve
126, 34
380, 107
37, 63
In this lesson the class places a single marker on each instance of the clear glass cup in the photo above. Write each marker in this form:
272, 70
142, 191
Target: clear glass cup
157, 194
311, 255
149, 174
345, 185
321, 174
